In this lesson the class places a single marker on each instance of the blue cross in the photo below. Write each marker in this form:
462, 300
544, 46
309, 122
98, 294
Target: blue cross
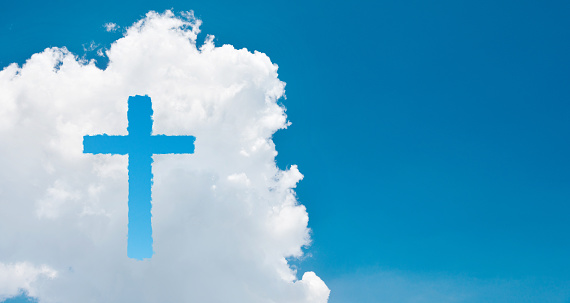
140, 145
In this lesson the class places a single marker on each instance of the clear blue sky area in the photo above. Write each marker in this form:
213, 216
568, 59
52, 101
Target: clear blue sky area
434, 136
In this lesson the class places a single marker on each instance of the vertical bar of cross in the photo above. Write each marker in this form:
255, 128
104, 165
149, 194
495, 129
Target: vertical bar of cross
139, 115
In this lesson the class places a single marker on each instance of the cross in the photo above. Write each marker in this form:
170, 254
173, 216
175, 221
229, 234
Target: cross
140, 145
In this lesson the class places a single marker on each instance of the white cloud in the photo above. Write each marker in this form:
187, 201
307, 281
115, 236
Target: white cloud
224, 218
110, 26
18, 277
90, 47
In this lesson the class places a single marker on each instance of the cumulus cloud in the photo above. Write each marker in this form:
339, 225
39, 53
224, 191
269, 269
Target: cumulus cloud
19, 277
225, 219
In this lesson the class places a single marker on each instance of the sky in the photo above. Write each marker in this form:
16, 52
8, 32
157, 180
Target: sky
432, 137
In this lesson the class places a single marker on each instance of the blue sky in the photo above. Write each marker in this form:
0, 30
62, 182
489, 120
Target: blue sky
433, 137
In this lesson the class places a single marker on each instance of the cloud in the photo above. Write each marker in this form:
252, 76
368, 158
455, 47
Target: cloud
110, 26
18, 277
224, 218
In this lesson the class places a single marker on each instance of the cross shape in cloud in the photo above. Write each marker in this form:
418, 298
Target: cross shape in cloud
225, 220
140, 145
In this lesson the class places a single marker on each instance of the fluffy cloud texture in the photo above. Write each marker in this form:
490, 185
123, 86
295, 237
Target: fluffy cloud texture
224, 218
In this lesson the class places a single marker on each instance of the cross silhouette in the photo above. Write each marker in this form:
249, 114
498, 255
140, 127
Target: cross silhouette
140, 145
